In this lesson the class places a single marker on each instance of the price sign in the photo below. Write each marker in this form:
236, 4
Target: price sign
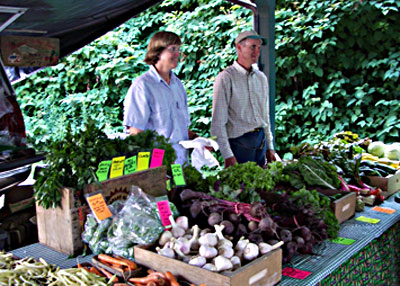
164, 210
98, 206
117, 167
295, 273
368, 219
130, 165
143, 161
102, 170
177, 173
157, 158
343, 240
383, 210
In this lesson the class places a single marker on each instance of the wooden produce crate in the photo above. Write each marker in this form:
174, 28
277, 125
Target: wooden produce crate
389, 185
61, 228
265, 270
344, 207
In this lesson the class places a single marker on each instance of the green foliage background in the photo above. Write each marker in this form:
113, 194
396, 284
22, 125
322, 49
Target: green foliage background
337, 68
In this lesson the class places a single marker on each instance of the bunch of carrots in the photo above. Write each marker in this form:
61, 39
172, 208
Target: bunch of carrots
119, 264
157, 279
122, 265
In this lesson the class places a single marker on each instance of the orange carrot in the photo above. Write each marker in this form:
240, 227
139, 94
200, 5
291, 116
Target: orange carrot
108, 274
109, 259
143, 280
95, 271
132, 265
172, 279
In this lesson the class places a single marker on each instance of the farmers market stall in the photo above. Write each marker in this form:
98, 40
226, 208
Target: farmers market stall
293, 223
374, 254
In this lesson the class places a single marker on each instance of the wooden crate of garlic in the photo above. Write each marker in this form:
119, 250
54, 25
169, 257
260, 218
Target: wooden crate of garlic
207, 256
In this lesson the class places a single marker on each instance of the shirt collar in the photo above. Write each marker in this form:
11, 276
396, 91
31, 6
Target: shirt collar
242, 70
154, 73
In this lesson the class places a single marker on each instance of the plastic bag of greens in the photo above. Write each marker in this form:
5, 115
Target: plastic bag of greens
94, 231
137, 222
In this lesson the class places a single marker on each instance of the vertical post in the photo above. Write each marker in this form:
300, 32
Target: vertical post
266, 28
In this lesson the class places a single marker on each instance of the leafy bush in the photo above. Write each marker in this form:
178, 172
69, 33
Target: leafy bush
337, 68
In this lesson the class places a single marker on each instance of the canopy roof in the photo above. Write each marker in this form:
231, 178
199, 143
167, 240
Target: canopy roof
75, 22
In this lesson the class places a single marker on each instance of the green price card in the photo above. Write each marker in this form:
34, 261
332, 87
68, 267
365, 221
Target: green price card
102, 170
168, 185
343, 240
130, 165
368, 219
177, 173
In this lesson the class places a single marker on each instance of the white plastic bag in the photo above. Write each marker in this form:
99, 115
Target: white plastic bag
200, 155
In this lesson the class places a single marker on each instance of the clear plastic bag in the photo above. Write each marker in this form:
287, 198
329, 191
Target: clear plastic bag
136, 223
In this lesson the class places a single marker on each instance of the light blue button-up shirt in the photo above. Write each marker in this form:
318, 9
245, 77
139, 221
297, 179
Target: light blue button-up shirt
152, 103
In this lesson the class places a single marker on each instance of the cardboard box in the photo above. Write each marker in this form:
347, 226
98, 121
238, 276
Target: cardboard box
389, 185
61, 228
21, 205
265, 270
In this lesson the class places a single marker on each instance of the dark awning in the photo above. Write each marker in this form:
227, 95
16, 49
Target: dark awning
74, 22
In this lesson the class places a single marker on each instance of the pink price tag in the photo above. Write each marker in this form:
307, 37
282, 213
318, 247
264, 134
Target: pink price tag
295, 273
165, 212
157, 158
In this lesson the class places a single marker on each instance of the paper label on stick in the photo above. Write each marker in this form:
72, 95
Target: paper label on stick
343, 240
383, 210
98, 206
102, 170
177, 173
130, 165
117, 167
164, 210
157, 158
143, 161
295, 273
368, 219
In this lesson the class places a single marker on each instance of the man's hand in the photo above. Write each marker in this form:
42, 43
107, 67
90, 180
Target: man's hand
230, 161
270, 156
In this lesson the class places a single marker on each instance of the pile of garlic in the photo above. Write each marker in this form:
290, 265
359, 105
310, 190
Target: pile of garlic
206, 249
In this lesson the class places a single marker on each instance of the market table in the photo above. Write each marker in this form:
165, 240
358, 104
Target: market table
374, 256
373, 259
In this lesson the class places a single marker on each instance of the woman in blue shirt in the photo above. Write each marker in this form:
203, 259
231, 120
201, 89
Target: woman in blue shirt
157, 99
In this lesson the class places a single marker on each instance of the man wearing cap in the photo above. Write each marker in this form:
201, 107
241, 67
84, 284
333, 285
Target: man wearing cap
240, 112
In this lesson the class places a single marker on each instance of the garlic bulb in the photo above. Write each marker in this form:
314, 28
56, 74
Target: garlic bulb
222, 263
251, 251
208, 251
197, 261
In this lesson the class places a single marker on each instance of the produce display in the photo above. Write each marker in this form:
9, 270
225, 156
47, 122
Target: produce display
28, 271
73, 161
135, 221
209, 249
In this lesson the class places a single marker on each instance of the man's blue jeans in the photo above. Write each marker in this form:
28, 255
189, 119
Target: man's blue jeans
250, 146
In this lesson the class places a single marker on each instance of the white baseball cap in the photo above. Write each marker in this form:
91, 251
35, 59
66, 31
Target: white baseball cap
249, 35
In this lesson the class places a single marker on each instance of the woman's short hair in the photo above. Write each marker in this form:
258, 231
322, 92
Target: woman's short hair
158, 43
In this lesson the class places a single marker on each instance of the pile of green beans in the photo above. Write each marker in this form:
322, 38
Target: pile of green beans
32, 272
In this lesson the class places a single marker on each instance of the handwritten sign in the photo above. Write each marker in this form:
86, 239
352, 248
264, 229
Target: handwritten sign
295, 273
368, 219
143, 161
164, 210
102, 170
157, 158
130, 165
117, 167
177, 173
383, 210
343, 240
98, 206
